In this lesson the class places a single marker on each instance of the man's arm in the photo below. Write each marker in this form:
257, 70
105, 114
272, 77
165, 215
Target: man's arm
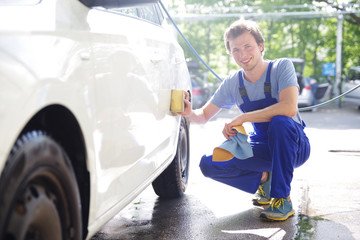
200, 116
287, 106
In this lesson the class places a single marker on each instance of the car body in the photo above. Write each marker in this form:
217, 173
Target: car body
351, 81
85, 115
322, 87
305, 98
311, 92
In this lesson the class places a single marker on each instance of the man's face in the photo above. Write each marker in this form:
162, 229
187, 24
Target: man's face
245, 51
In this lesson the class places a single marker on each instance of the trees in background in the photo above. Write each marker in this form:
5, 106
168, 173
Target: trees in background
287, 30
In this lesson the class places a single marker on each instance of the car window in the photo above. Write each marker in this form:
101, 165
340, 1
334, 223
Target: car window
127, 11
148, 12
297, 67
354, 74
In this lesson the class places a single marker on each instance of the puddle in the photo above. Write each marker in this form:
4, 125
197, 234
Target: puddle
318, 228
306, 226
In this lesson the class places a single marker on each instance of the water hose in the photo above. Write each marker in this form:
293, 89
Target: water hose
329, 101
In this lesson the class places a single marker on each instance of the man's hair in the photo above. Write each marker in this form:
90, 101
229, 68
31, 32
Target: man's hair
239, 27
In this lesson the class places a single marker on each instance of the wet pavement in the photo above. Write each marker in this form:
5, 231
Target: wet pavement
325, 192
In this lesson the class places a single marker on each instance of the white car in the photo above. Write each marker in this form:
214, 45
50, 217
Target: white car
305, 98
311, 92
351, 81
85, 116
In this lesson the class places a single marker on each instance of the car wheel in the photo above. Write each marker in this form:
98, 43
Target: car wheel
172, 182
39, 196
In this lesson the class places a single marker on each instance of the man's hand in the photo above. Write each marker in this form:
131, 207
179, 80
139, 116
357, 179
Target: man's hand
188, 105
201, 115
228, 131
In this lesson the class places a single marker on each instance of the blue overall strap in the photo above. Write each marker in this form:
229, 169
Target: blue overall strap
267, 84
242, 89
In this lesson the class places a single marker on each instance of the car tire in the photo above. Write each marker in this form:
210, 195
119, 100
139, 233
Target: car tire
39, 195
173, 181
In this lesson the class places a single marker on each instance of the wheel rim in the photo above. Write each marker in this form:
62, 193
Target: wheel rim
183, 155
36, 209
42, 200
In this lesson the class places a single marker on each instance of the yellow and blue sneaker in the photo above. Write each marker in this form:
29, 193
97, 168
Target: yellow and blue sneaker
279, 210
262, 195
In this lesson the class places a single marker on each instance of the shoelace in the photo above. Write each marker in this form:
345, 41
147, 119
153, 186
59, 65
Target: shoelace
261, 191
277, 202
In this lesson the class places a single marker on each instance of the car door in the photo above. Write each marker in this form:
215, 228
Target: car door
135, 132
351, 81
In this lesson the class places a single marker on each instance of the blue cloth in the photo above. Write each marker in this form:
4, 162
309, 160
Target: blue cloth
238, 146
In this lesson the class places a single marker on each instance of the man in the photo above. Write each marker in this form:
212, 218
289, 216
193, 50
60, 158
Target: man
266, 92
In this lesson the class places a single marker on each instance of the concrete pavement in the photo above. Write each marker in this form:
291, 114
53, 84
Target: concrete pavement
331, 178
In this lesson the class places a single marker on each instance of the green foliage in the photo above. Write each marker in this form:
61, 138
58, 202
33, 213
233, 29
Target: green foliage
313, 39
351, 45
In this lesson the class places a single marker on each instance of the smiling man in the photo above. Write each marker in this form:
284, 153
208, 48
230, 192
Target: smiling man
266, 92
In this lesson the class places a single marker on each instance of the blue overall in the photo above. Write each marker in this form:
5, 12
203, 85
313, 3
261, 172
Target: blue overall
279, 146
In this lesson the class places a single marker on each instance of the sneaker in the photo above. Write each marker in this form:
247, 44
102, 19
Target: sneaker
279, 210
262, 195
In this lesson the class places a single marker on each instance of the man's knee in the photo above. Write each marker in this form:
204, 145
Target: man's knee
205, 165
279, 119
280, 124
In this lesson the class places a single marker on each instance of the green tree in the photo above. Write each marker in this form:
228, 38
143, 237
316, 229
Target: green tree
312, 38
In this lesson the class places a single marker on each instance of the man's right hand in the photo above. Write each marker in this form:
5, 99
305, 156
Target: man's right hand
188, 105
201, 115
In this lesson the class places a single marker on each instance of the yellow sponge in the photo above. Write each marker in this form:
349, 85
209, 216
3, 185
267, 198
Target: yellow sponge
177, 101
